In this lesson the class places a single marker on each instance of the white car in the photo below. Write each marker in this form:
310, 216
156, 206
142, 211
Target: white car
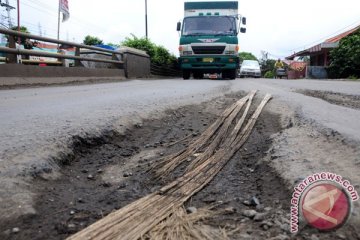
250, 68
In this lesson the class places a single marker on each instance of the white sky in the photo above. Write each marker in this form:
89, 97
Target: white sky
279, 27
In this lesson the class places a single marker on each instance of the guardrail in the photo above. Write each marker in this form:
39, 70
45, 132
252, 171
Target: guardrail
165, 70
12, 51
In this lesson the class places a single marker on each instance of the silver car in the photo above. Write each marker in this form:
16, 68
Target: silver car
250, 68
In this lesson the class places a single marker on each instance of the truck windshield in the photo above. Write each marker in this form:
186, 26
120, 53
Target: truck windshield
212, 25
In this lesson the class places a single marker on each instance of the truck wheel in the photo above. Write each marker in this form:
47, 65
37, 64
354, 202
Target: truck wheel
186, 74
229, 74
224, 74
232, 74
198, 75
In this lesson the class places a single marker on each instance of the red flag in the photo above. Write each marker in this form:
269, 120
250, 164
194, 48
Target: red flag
64, 9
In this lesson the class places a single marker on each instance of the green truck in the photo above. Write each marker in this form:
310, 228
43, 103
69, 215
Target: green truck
209, 42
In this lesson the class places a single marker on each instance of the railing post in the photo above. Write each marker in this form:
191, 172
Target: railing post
125, 60
77, 53
114, 57
12, 58
63, 60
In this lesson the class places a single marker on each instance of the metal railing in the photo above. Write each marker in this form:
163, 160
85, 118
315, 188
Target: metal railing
170, 70
12, 51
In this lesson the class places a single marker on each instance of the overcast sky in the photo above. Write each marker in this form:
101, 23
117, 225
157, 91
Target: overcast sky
279, 27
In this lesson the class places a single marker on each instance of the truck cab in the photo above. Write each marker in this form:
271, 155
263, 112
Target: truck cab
209, 42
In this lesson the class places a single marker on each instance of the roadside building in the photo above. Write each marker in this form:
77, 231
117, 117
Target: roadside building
320, 55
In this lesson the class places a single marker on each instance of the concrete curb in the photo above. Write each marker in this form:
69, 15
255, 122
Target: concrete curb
23, 82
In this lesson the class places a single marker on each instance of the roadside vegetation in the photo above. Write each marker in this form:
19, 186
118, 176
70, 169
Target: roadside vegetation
158, 54
246, 56
91, 40
345, 59
269, 74
267, 68
22, 29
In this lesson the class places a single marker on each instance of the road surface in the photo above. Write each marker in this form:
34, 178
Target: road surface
39, 125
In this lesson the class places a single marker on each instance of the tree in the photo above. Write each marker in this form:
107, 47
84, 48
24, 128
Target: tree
91, 40
345, 59
246, 56
162, 56
141, 44
158, 54
268, 65
22, 29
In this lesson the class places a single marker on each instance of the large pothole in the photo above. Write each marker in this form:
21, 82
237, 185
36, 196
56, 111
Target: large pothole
112, 172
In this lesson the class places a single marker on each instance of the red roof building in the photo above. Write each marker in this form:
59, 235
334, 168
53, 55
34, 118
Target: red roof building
319, 54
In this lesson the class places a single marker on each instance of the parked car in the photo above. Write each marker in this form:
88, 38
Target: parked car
250, 68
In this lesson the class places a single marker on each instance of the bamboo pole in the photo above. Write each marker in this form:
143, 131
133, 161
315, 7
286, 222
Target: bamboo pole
224, 131
165, 167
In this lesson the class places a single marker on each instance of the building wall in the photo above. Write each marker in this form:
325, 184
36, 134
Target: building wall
316, 72
320, 59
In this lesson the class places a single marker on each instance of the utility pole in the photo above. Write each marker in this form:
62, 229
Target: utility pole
146, 23
40, 29
2, 36
58, 30
18, 16
8, 9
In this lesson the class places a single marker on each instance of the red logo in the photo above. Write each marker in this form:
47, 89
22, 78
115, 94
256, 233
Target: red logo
325, 206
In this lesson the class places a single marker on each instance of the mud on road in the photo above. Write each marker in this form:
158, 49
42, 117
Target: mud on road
110, 172
341, 99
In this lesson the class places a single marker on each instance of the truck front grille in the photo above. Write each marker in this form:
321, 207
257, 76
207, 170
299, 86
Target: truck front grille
208, 49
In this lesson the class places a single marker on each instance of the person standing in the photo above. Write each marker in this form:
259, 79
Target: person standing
279, 64
279, 68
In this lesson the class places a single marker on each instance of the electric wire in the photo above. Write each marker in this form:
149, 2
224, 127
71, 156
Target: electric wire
356, 23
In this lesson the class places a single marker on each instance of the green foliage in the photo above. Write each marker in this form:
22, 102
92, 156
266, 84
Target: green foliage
352, 77
158, 54
22, 29
345, 59
162, 56
91, 40
141, 44
246, 56
269, 74
268, 65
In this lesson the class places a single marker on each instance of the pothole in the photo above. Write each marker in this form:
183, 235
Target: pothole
110, 173
341, 99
